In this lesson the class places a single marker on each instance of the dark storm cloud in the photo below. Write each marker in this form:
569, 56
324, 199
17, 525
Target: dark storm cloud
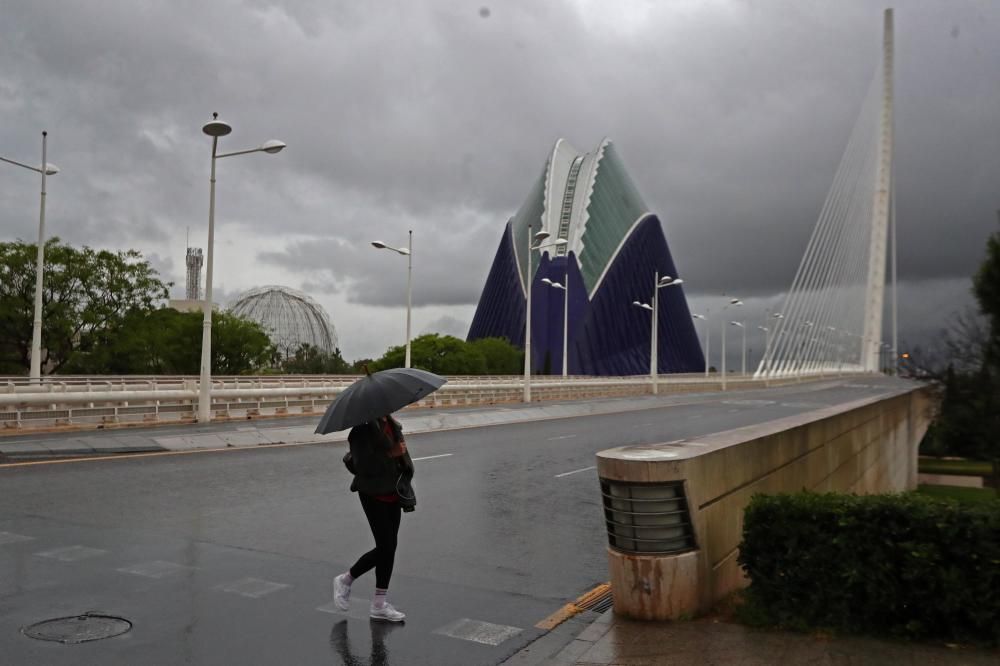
731, 117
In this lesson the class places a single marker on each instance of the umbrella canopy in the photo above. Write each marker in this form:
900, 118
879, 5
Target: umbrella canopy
377, 395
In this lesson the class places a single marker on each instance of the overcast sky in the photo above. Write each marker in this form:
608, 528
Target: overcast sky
436, 116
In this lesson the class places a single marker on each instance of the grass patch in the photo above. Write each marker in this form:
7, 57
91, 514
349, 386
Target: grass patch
956, 467
963, 495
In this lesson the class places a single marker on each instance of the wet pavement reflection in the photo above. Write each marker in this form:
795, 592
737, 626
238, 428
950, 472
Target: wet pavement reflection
379, 653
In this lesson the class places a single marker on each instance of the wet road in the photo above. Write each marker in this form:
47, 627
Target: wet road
227, 557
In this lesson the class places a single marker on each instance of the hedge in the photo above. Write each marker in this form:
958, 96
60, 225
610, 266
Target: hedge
902, 565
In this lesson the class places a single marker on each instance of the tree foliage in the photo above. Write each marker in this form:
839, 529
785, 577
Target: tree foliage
447, 355
87, 294
968, 424
168, 342
310, 360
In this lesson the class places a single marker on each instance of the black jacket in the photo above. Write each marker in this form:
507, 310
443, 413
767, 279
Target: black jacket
376, 473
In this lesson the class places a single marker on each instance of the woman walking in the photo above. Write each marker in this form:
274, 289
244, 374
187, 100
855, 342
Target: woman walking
382, 471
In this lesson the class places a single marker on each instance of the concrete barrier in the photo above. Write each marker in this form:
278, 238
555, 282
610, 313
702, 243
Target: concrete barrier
109, 403
682, 559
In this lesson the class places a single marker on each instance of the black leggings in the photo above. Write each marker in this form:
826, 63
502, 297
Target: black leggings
383, 518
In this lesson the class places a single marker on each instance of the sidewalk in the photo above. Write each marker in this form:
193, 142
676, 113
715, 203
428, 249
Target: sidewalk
263, 432
616, 641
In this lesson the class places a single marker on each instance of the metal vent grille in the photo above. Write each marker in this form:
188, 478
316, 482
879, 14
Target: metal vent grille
647, 518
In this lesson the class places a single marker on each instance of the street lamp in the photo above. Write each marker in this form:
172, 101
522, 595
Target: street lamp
742, 326
534, 243
408, 253
216, 128
35, 372
658, 283
565, 289
736, 303
708, 338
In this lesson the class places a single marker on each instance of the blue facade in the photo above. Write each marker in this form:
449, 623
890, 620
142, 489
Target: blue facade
608, 335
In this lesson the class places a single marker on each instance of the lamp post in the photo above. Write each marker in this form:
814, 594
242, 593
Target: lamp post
534, 243
735, 302
216, 128
408, 253
742, 326
35, 372
654, 361
767, 342
708, 338
565, 290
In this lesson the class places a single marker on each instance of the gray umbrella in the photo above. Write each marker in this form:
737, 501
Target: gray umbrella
377, 395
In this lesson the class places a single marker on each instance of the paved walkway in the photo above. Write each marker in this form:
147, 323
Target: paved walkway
614, 641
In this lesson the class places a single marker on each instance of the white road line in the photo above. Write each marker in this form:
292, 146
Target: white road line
443, 455
575, 471
552, 439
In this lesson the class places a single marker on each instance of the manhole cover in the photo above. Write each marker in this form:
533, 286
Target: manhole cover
78, 628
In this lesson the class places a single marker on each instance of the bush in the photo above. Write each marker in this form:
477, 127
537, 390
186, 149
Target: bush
902, 565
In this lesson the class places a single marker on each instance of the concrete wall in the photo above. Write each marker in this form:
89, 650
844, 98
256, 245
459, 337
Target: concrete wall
869, 446
174, 400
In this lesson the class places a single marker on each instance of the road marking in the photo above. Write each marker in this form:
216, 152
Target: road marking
581, 604
10, 537
155, 569
443, 455
552, 439
576, 471
71, 553
478, 631
255, 588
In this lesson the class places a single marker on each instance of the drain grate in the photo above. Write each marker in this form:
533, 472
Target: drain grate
91, 626
598, 600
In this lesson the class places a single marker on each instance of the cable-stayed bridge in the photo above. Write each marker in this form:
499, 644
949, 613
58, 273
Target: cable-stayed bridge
831, 320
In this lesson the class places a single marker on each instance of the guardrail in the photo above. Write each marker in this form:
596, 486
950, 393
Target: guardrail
121, 401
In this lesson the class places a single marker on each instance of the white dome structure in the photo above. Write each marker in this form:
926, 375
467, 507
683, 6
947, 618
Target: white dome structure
290, 318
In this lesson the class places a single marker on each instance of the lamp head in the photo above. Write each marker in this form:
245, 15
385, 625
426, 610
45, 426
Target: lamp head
735, 301
677, 281
541, 235
546, 281
379, 244
664, 281
403, 251
216, 127
273, 146
561, 241
51, 169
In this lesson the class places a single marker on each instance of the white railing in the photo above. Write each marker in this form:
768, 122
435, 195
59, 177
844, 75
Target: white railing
112, 401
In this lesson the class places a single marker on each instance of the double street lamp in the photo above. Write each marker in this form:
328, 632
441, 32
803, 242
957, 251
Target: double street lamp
734, 302
658, 283
534, 243
565, 290
35, 373
708, 338
742, 325
216, 128
408, 253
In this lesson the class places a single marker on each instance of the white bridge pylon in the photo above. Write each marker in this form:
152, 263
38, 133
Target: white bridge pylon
831, 321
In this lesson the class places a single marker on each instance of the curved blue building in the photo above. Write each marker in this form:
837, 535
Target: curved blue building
606, 245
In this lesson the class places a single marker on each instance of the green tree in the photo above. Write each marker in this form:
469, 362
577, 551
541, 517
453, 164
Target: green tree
441, 354
311, 360
166, 341
502, 358
968, 423
86, 296
447, 355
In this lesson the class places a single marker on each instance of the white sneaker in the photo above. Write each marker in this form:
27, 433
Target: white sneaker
387, 612
341, 593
